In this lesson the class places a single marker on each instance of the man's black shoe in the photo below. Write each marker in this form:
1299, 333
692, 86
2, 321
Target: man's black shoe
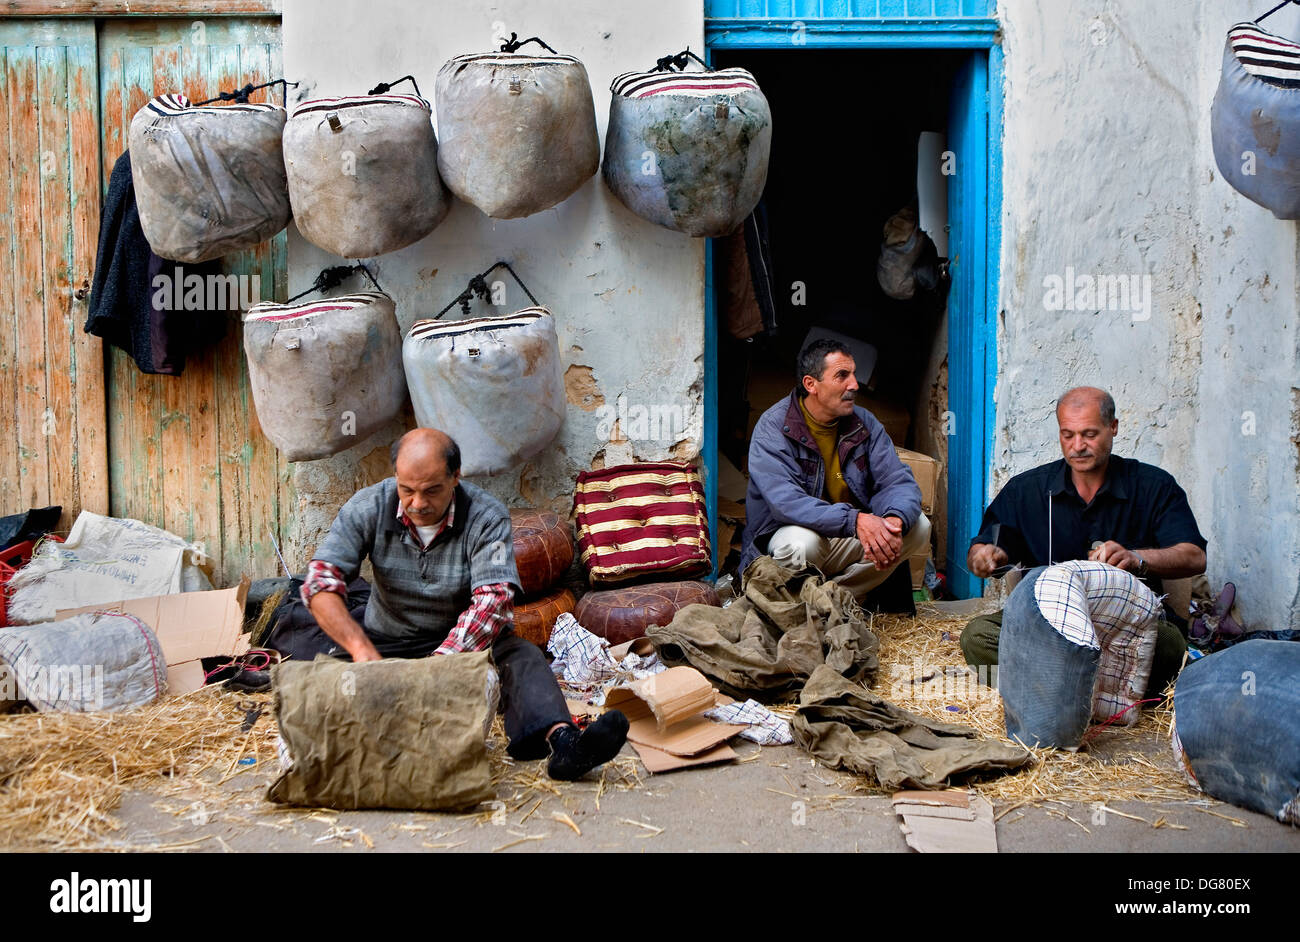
574, 753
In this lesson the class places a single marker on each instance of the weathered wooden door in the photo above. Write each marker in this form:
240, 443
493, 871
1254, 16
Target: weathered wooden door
53, 440
186, 452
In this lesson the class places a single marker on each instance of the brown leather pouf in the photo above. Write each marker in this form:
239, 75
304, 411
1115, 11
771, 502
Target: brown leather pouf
535, 619
543, 548
620, 615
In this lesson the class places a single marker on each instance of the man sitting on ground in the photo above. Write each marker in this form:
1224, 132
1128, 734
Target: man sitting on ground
444, 582
826, 488
1098, 506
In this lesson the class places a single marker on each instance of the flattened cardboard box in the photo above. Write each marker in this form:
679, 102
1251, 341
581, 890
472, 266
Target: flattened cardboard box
664, 722
189, 625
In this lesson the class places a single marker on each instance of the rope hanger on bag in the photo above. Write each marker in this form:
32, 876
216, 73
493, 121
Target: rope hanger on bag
383, 87
335, 276
478, 286
240, 95
682, 59
514, 42
1265, 16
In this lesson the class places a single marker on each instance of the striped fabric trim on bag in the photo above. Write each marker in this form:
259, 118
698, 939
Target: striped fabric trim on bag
691, 84
641, 519
271, 311
1265, 56
352, 101
176, 104
508, 58
435, 330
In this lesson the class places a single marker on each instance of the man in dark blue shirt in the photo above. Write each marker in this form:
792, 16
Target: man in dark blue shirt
1089, 505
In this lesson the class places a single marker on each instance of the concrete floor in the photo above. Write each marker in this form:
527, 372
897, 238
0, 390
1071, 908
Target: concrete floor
774, 800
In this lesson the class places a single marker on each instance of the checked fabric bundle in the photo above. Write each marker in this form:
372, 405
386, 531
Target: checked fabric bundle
1077, 643
636, 520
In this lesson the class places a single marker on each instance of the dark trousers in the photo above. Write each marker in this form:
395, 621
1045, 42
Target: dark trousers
979, 642
530, 699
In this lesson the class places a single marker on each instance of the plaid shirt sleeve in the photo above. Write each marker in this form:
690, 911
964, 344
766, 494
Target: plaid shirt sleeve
491, 609
323, 577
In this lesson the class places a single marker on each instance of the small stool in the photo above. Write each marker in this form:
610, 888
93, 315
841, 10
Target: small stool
534, 619
543, 549
620, 615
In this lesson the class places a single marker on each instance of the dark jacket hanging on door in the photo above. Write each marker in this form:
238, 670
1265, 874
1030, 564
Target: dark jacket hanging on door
125, 309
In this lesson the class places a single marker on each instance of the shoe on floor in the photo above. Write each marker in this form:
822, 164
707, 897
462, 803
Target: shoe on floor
574, 753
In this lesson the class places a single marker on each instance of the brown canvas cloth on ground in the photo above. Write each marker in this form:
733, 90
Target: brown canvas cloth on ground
848, 727
768, 642
386, 734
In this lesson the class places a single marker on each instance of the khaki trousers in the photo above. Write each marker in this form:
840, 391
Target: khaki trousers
840, 557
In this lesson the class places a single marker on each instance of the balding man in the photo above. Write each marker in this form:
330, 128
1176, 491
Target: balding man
444, 579
1098, 506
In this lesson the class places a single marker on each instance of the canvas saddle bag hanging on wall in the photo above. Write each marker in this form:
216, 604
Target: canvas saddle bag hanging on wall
1255, 119
518, 131
325, 374
492, 383
688, 151
395, 733
1077, 643
363, 172
208, 180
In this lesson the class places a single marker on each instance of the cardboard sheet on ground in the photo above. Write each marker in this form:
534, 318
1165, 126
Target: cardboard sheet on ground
189, 626
953, 821
665, 725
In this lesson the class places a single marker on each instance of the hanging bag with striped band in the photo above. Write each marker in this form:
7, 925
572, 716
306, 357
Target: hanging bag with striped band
492, 383
209, 180
1255, 118
642, 520
688, 151
363, 172
518, 131
325, 374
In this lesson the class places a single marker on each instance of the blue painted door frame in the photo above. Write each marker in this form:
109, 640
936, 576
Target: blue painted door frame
975, 212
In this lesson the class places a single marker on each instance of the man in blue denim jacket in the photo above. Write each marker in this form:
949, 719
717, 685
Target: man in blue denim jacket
826, 488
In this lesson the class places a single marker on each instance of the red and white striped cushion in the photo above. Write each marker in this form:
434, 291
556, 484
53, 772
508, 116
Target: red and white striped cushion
642, 519
691, 84
1265, 56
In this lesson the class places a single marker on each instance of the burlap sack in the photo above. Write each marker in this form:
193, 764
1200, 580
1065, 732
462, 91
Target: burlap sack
363, 173
518, 131
386, 734
325, 374
208, 180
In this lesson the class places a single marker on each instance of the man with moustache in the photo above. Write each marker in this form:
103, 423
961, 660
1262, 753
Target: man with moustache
826, 488
1099, 506
444, 582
